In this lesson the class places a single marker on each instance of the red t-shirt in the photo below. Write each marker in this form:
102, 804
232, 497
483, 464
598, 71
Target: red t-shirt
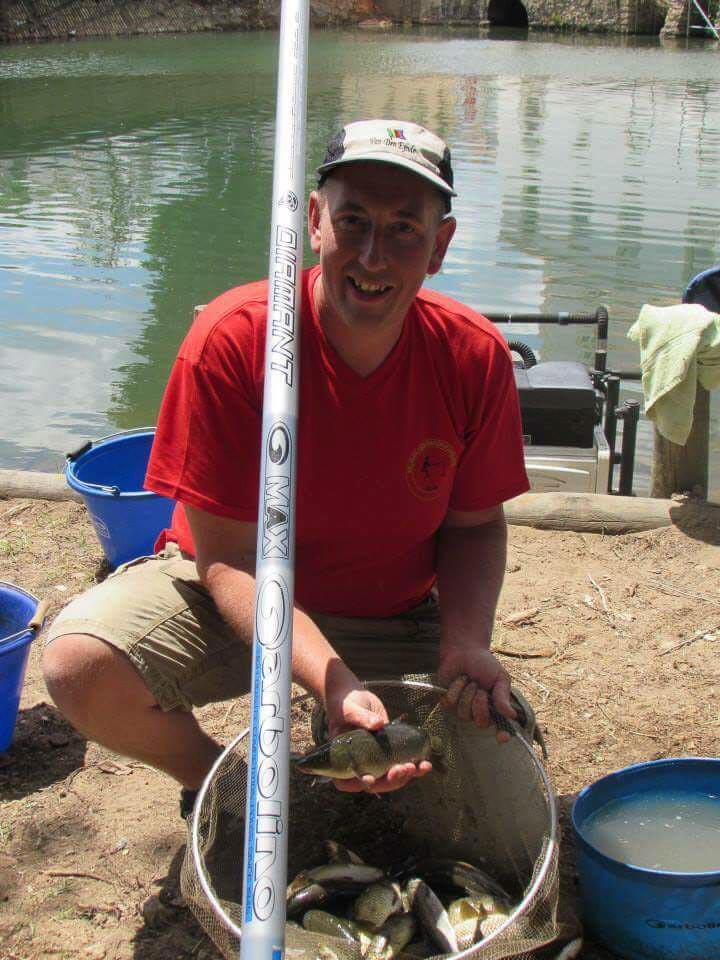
380, 458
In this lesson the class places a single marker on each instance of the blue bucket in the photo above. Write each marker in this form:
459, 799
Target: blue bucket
20, 619
640, 913
109, 475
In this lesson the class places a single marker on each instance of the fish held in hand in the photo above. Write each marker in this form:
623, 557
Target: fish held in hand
360, 752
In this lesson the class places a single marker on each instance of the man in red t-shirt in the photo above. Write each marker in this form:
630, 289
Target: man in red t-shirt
409, 442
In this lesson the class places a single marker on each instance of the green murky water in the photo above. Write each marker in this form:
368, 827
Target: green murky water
135, 180
676, 831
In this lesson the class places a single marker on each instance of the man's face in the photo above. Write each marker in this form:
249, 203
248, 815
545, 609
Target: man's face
379, 231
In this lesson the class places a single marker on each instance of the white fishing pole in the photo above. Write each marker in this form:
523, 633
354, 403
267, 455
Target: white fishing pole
266, 820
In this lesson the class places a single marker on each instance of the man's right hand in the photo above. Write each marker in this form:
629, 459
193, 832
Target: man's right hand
358, 707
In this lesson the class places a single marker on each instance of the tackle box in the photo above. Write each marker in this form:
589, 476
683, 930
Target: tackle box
557, 403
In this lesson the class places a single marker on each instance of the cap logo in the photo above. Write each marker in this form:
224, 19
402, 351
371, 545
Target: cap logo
396, 134
403, 146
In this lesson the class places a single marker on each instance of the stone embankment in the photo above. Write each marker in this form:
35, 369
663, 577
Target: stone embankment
23, 20
59, 19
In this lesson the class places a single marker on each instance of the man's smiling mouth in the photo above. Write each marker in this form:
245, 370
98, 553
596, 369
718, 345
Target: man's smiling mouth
373, 289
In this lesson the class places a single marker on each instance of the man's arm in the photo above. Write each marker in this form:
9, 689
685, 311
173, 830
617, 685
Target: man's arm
471, 553
225, 557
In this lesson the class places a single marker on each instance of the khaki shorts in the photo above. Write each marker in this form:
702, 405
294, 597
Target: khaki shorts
157, 612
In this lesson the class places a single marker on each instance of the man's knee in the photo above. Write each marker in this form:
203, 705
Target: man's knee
83, 674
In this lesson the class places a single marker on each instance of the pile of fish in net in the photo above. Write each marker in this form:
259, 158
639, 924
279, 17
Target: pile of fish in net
465, 858
387, 916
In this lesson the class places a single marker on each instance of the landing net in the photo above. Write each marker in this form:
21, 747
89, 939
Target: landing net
491, 805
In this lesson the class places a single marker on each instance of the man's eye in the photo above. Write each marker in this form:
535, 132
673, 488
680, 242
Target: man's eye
350, 222
405, 229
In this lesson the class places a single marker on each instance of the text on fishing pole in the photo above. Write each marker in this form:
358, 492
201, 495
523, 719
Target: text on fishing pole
272, 624
283, 313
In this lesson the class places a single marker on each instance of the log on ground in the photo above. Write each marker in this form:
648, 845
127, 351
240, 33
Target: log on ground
580, 512
33, 485
602, 513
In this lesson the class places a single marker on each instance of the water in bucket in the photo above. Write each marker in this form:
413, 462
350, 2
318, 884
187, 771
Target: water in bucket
17, 609
675, 830
648, 881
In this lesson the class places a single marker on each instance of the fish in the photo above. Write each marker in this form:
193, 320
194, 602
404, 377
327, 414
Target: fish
428, 908
351, 877
305, 897
376, 903
399, 930
320, 921
456, 873
419, 949
337, 853
376, 948
360, 752
363, 935
492, 922
465, 915
325, 953
300, 881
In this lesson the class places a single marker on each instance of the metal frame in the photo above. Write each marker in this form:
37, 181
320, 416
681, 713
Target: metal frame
607, 386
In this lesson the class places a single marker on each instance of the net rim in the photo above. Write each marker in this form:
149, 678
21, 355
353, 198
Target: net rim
223, 916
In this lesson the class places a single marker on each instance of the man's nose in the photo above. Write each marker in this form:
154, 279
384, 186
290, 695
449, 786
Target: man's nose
373, 252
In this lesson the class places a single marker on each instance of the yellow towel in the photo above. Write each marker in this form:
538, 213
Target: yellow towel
679, 346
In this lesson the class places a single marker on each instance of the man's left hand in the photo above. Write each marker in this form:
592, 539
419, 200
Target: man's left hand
474, 678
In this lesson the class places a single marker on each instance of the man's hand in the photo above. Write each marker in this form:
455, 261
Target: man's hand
358, 707
474, 678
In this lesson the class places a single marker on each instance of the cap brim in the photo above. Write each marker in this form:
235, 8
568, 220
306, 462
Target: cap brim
394, 162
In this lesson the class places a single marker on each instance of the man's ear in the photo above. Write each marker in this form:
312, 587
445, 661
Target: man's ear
443, 237
314, 221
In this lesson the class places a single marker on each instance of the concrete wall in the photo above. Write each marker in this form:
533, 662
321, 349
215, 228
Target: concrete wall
611, 16
44, 19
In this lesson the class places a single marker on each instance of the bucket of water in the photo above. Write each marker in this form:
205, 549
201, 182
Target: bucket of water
21, 617
109, 475
648, 839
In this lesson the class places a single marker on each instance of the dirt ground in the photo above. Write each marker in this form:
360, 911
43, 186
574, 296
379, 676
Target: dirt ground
614, 639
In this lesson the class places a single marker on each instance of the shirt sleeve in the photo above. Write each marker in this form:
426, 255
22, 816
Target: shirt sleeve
207, 443
492, 466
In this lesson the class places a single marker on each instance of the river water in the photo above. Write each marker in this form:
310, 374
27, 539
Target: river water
135, 181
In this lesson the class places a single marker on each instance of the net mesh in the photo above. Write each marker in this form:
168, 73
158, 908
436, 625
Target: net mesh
486, 804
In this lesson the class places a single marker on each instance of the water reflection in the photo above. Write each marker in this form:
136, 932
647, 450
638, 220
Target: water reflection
135, 179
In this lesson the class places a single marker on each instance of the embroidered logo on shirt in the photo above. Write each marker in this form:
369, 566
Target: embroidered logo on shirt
430, 468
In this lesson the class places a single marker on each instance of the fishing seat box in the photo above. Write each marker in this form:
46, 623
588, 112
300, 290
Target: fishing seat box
557, 404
